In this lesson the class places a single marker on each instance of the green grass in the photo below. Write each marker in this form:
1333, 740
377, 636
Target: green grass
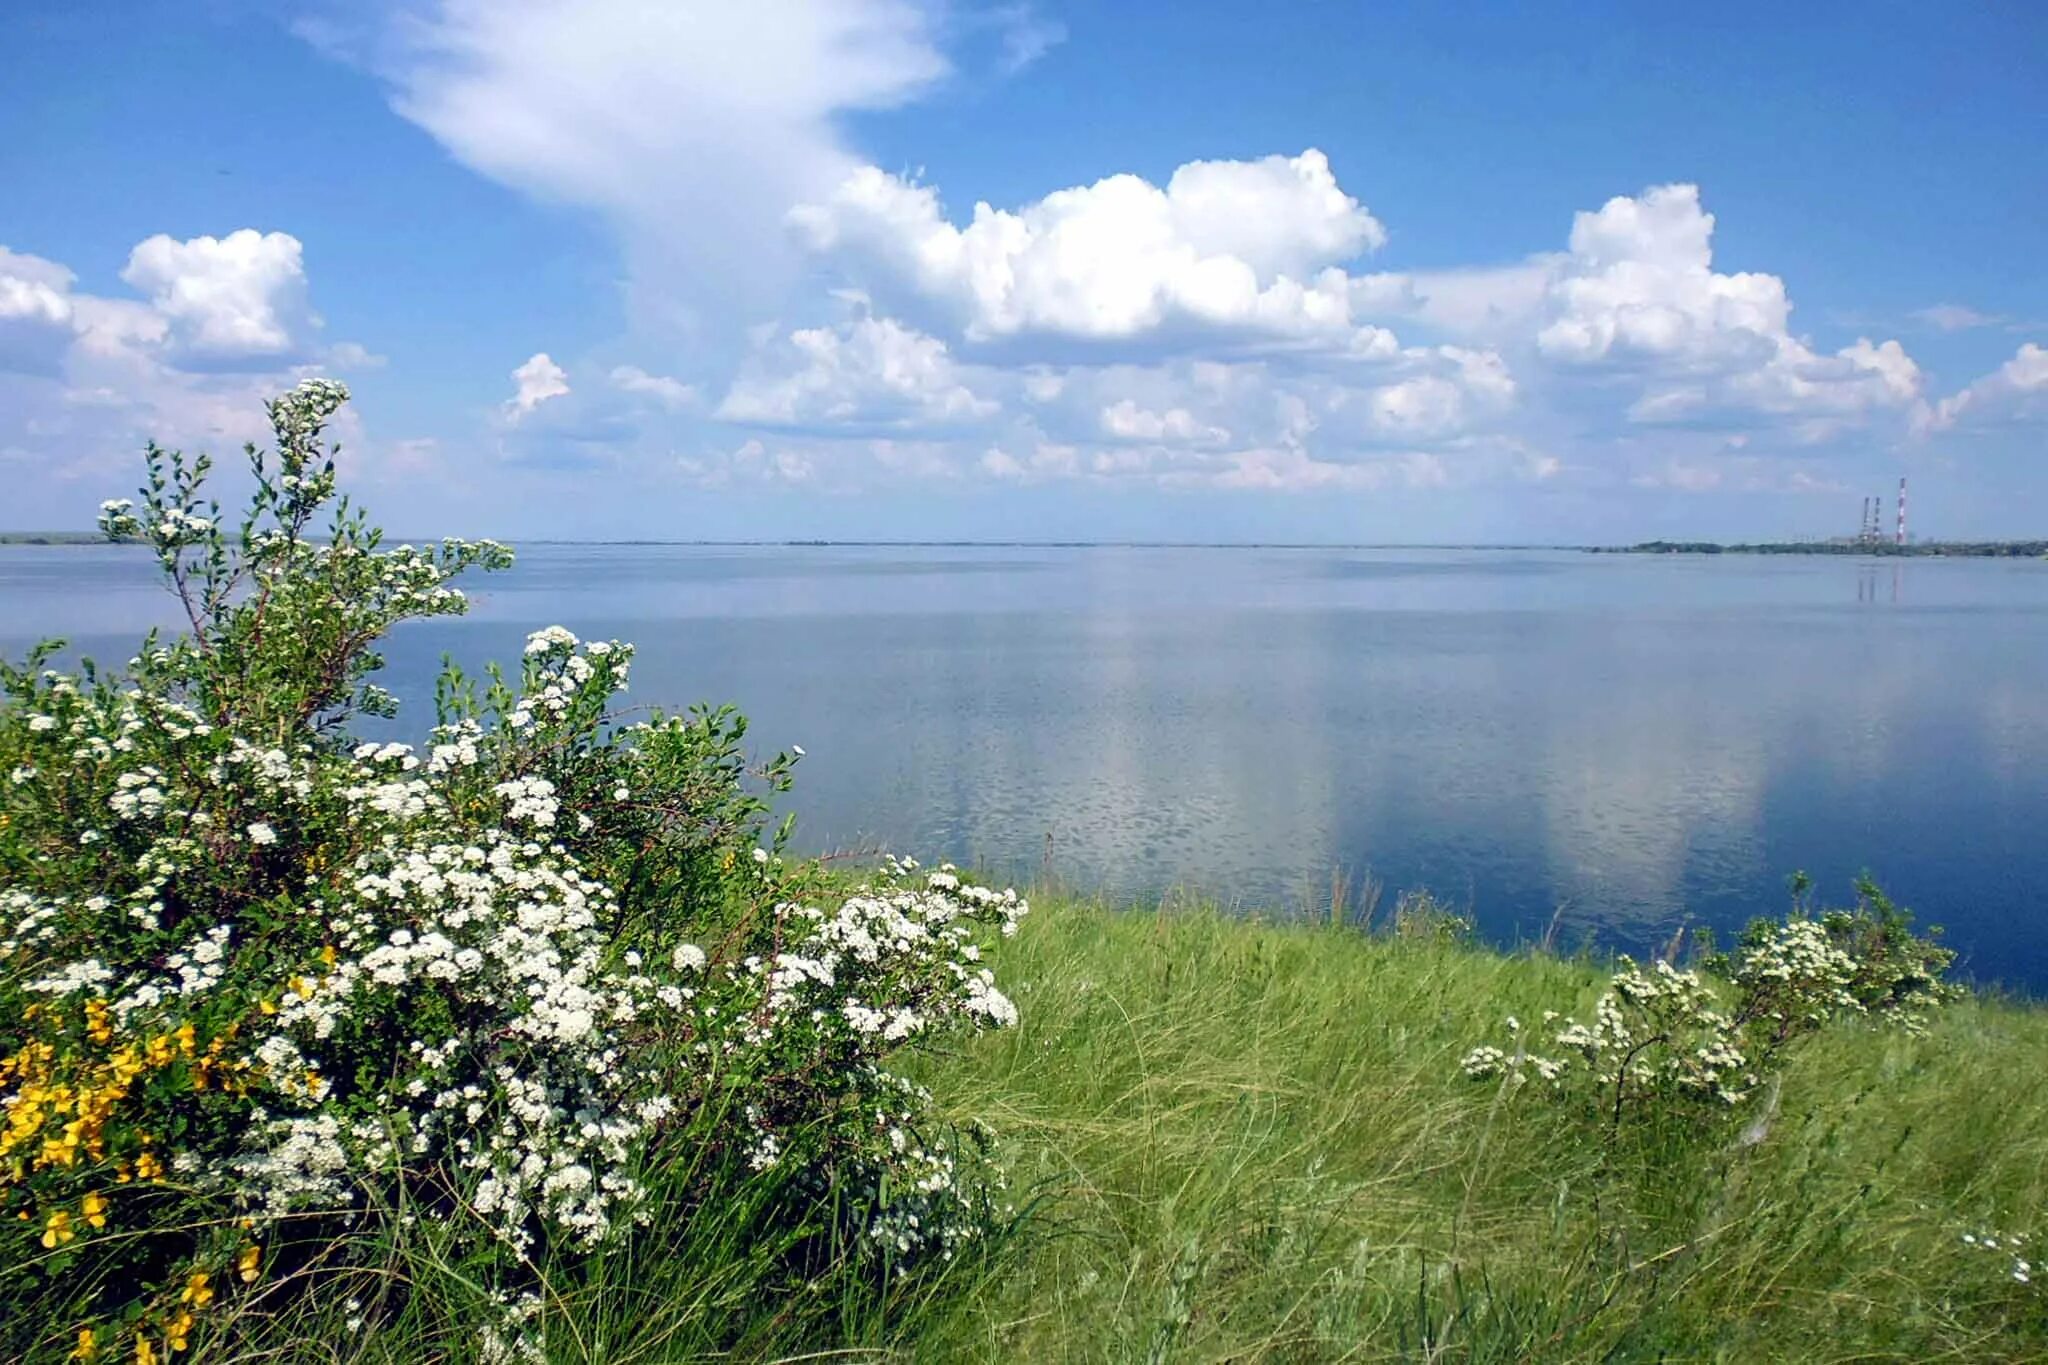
1250, 1141
1236, 1140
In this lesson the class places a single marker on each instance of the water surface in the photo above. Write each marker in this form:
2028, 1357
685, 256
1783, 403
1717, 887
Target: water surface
1620, 743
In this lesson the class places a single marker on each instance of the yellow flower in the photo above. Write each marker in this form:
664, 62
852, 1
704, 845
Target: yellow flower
58, 1232
328, 955
147, 1167
145, 1354
88, 1345
95, 1209
198, 1292
97, 1026
178, 1336
246, 1263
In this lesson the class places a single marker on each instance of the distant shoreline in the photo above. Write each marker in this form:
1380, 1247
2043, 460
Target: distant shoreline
1933, 549
1989, 549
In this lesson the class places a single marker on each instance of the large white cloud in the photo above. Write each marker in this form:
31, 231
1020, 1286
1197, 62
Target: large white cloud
1633, 320
238, 298
1640, 282
1253, 246
1638, 291
692, 125
2018, 388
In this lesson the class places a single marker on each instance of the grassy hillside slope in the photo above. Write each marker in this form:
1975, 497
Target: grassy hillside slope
1253, 1142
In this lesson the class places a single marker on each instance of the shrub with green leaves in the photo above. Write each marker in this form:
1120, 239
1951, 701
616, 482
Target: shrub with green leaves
270, 995
1667, 1037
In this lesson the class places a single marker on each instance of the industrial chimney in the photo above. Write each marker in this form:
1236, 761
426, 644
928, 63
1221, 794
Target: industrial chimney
1902, 509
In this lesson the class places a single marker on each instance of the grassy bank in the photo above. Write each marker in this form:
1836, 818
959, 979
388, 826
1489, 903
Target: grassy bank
1254, 1142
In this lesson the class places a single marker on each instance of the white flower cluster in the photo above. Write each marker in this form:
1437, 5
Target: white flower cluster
2009, 1244
1797, 976
1650, 1030
397, 966
1665, 1029
889, 964
535, 1072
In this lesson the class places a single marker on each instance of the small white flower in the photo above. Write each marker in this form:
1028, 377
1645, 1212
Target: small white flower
260, 833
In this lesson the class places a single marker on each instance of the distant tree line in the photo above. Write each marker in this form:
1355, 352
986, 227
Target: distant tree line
1980, 549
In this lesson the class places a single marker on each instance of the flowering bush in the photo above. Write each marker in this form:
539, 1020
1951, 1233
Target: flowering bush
1664, 1032
2009, 1247
267, 992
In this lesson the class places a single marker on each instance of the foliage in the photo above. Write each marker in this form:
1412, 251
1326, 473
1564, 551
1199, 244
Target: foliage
1663, 1035
1419, 916
273, 1001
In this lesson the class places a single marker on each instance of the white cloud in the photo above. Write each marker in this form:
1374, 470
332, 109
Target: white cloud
36, 316
692, 125
1639, 283
86, 379
673, 394
1956, 317
1637, 295
870, 371
539, 379
2018, 388
228, 299
1252, 246
1126, 421
1214, 314
1027, 37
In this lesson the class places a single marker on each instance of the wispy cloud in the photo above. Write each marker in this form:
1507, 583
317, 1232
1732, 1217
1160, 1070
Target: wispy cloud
1956, 317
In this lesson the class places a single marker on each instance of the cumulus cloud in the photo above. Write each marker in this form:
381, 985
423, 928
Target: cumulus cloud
1217, 323
36, 315
2018, 388
1252, 246
539, 380
85, 379
234, 299
871, 371
1636, 295
1640, 282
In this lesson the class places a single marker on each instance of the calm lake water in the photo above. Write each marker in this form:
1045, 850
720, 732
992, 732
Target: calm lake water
1627, 743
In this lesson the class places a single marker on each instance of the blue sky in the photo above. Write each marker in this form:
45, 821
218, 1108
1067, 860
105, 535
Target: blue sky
1379, 272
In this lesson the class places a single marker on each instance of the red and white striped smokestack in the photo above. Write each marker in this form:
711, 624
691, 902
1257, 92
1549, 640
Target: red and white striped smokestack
1902, 509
